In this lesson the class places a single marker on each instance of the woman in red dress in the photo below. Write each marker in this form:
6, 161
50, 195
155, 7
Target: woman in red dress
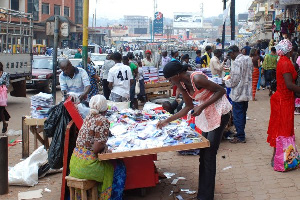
282, 101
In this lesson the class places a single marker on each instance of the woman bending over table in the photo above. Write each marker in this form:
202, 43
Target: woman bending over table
212, 115
91, 140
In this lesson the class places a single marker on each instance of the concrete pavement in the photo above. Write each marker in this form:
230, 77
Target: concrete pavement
251, 176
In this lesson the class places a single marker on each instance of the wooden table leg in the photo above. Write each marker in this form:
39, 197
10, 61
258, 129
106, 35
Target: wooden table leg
34, 131
46, 141
25, 139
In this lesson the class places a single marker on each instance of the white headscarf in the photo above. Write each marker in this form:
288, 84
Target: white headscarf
98, 104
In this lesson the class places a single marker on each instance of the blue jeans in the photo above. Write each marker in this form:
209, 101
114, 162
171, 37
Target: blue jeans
207, 168
239, 110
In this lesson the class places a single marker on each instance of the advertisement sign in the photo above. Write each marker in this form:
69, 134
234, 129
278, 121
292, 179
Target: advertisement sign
242, 18
187, 20
158, 24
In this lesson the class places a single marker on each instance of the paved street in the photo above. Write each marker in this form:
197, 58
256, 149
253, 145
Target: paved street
251, 176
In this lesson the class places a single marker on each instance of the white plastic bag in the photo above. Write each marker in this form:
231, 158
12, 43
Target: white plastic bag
137, 88
119, 105
83, 110
150, 106
25, 173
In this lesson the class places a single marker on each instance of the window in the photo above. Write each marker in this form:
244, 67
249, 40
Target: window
56, 10
14, 4
67, 11
45, 8
33, 7
78, 11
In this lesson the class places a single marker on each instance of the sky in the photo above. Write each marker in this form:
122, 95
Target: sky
116, 9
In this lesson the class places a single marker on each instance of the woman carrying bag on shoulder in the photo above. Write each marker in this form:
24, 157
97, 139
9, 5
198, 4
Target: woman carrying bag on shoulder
4, 84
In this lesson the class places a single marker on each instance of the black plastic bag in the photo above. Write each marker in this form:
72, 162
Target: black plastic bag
56, 150
51, 122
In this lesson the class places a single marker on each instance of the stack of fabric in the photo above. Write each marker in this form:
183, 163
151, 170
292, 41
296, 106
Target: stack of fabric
40, 105
150, 74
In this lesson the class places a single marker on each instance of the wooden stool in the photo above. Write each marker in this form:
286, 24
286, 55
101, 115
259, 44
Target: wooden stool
84, 185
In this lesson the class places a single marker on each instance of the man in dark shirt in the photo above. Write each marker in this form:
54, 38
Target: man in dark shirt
247, 48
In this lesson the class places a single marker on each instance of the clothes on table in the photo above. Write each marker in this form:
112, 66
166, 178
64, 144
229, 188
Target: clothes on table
282, 104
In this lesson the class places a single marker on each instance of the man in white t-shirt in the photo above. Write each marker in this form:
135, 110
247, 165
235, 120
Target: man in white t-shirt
119, 80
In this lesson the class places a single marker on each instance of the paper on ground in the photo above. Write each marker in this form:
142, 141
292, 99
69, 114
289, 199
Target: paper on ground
34, 194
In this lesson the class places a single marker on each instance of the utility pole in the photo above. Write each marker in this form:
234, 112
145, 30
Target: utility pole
56, 31
3, 165
232, 19
224, 27
85, 37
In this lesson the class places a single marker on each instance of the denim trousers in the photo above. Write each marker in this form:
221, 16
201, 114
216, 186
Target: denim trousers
239, 110
208, 156
270, 74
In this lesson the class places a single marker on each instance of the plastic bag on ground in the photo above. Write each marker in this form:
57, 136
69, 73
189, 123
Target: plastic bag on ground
25, 173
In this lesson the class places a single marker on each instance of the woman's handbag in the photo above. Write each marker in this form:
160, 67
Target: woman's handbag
3, 95
286, 157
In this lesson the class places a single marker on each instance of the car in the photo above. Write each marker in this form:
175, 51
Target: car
98, 59
76, 61
42, 74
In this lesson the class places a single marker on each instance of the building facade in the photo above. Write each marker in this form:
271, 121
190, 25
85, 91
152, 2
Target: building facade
138, 25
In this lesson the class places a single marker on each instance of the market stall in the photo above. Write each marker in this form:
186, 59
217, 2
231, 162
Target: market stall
136, 141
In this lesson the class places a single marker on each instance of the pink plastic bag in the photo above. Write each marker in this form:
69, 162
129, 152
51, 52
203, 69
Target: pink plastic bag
286, 157
3, 95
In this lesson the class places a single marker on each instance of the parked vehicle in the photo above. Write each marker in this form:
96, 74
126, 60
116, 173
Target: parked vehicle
98, 59
16, 30
42, 72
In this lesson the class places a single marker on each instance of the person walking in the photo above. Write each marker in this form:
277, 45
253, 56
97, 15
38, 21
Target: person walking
148, 61
212, 115
269, 68
206, 57
119, 80
254, 54
240, 83
283, 100
108, 64
4, 84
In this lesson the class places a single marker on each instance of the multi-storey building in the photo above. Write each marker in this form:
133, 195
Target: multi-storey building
137, 24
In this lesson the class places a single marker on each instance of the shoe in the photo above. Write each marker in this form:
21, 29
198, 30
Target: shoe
236, 140
4, 129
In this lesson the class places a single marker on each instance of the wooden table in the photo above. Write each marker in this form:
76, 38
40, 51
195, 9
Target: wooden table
150, 89
36, 126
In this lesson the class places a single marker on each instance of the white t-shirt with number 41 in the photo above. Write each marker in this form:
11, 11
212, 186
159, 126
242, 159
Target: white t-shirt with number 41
120, 75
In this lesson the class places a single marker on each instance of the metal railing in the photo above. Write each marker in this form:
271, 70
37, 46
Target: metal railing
16, 31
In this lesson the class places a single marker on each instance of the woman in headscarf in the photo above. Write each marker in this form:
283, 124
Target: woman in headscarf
283, 100
91, 140
212, 115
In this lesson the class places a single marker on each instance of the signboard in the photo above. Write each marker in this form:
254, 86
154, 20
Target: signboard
288, 2
16, 67
242, 18
158, 24
187, 20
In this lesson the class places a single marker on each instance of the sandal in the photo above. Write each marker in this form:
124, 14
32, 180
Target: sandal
235, 140
4, 129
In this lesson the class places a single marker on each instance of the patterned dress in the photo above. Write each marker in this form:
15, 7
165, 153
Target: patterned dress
84, 163
94, 86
